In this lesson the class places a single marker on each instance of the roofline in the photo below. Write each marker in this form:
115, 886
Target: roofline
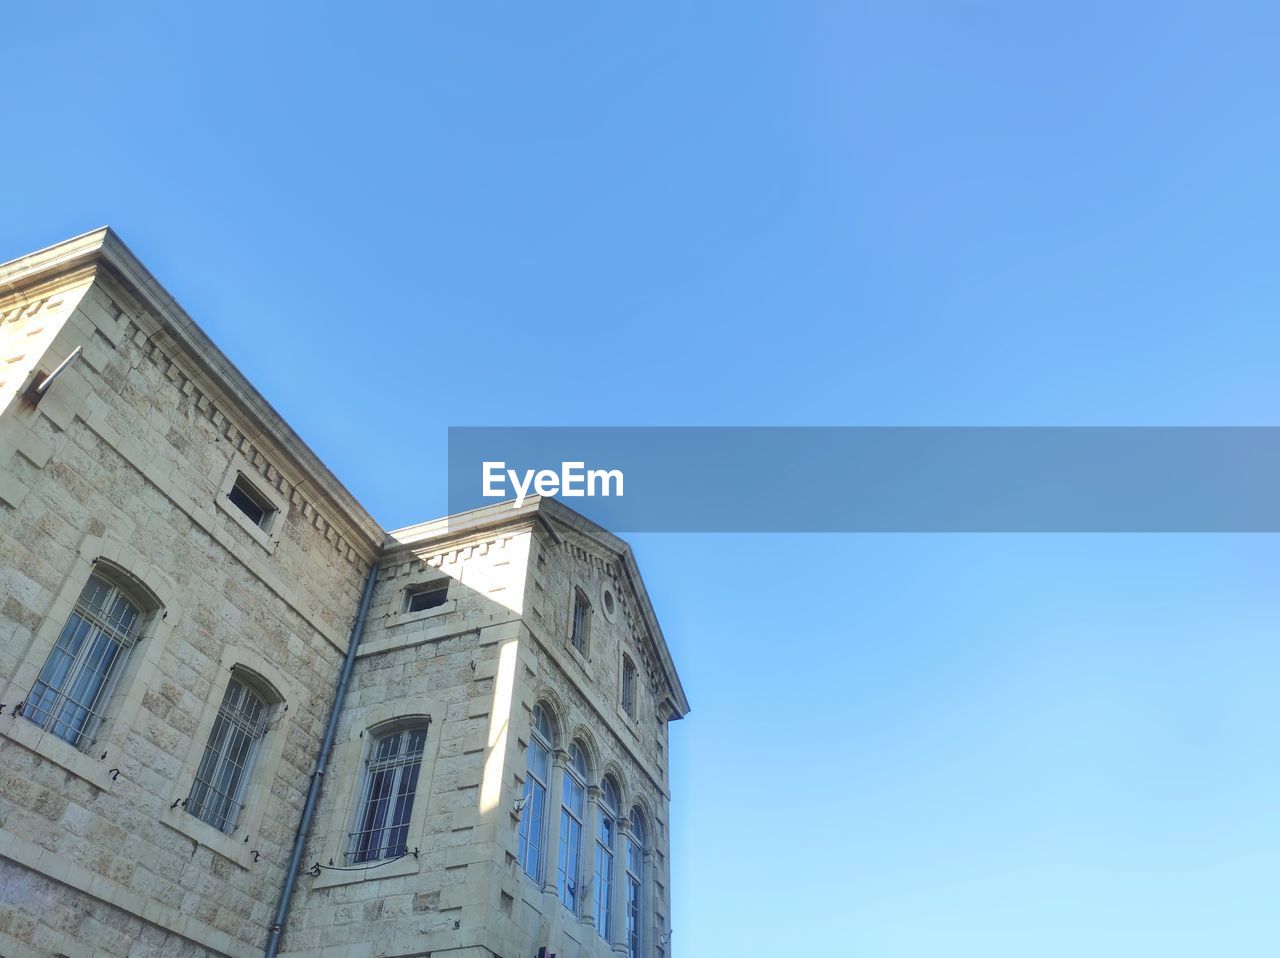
81, 256
460, 524
102, 247
545, 511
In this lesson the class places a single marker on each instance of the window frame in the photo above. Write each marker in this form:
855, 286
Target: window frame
397, 601
430, 587
405, 763
580, 601
248, 490
569, 846
609, 596
288, 701
633, 901
628, 682
527, 847
267, 535
346, 777
141, 667
93, 622
229, 720
606, 856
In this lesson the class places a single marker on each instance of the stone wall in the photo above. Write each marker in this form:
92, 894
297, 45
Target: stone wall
584, 693
122, 462
454, 664
478, 664
124, 467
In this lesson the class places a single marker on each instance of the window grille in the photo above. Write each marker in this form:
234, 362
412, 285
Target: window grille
581, 615
77, 680
386, 801
217, 795
628, 687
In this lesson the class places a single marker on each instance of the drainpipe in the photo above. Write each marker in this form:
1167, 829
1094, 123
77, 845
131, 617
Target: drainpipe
317, 777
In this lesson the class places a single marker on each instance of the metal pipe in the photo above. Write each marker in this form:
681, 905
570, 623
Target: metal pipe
317, 777
40, 385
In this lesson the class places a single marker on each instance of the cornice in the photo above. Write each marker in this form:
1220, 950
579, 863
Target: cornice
555, 518
100, 254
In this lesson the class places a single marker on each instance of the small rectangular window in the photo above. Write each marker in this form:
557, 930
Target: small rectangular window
426, 597
251, 502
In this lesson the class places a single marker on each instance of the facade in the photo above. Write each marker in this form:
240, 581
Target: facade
181, 582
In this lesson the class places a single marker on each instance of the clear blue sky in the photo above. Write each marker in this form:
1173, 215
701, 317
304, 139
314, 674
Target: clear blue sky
903, 213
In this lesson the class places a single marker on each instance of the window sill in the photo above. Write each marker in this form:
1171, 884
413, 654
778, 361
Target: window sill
180, 820
577, 655
629, 721
408, 639
394, 868
532, 890
576, 918
404, 618
53, 749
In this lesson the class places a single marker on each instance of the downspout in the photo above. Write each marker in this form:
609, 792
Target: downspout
317, 777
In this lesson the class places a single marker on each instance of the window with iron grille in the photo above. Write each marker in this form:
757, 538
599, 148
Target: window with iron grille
74, 686
628, 686
571, 815
386, 798
217, 795
581, 621
534, 809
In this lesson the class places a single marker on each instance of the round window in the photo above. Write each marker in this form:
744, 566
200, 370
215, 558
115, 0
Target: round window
609, 602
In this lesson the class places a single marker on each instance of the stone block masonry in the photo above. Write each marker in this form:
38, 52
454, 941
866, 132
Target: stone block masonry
127, 472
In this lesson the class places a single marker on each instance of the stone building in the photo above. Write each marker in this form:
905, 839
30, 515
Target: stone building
191, 604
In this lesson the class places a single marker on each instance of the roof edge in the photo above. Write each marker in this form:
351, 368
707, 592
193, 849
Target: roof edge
103, 247
548, 512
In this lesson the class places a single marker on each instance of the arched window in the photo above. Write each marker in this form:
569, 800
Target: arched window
217, 795
606, 838
74, 686
386, 797
571, 815
533, 818
635, 884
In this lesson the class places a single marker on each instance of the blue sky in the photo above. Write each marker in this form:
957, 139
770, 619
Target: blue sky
823, 214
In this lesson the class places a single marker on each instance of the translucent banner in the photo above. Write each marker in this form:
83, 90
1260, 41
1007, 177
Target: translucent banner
922, 479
